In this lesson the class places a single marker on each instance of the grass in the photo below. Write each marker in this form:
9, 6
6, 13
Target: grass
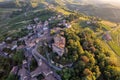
115, 43
4, 27
106, 27
20, 21
114, 57
108, 23
62, 10
8, 9
115, 47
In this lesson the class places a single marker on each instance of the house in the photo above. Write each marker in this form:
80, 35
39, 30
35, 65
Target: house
29, 27
3, 43
23, 74
47, 73
6, 54
46, 23
107, 36
10, 55
29, 43
59, 16
68, 25
20, 47
39, 34
37, 40
30, 34
8, 38
88, 22
25, 63
39, 25
49, 19
14, 47
36, 20
59, 45
14, 70
34, 26
45, 28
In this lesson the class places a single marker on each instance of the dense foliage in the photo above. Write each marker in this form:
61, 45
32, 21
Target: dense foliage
91, 60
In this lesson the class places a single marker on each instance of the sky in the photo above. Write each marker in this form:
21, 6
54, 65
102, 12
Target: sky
104, 1
111, 1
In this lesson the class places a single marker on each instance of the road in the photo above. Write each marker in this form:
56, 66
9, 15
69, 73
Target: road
45, 67
36, 53
46, 64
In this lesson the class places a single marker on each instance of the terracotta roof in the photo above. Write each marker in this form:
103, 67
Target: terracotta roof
59, 42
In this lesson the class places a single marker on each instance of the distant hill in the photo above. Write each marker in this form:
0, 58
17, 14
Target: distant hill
7, 4
96, 8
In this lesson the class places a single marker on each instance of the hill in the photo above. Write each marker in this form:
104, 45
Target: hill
91, 46
103, 10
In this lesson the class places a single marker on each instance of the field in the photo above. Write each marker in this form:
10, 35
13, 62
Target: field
4, 18
16, 23
115, 43
12, 25
7, 23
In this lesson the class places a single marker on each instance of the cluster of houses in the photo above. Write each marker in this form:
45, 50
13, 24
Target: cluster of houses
89, 22
93, 21
11, 47
65, 24
39, 30
57, 17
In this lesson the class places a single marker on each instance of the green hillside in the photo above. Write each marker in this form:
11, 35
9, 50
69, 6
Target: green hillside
92, 45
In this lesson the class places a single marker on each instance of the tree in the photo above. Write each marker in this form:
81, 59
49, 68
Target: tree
85, 59
52, 32
112, 73
11, 77
87, 72
19, 56
96, 69
66, 73
79, 67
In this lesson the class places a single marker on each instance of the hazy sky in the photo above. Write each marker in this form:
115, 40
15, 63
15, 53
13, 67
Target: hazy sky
115, 2
111, 0
105, 1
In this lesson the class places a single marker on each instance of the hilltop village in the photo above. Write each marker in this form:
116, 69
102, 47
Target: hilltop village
39, 53
54, 40
54, 48
39, 33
